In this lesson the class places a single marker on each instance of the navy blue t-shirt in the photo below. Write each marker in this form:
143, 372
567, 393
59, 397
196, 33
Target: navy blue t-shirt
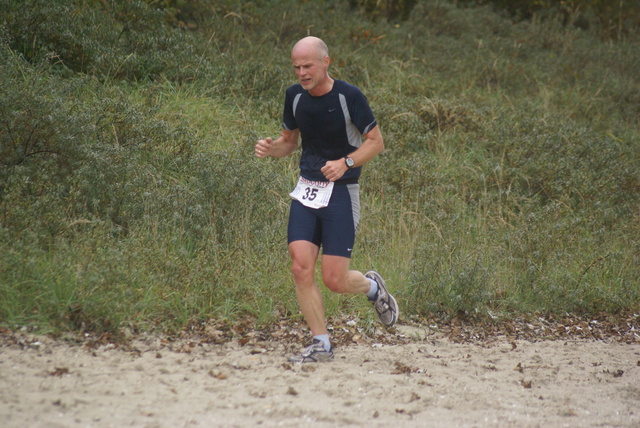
331, 126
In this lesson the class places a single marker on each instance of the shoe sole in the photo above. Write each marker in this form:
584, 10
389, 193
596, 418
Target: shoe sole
310, 359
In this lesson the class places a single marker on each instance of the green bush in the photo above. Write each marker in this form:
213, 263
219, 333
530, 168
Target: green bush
611, 19
111, 40
389, 9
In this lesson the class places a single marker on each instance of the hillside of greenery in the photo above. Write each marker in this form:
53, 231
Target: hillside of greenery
130, 196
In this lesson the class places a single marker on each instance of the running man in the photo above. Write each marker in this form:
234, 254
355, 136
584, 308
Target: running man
339, 135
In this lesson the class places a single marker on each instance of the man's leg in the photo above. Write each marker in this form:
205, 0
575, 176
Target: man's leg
339, 279
304, 255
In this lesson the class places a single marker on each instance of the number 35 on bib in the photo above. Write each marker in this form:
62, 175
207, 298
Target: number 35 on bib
312, 194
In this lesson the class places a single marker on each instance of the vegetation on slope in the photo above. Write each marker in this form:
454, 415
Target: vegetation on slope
129, 195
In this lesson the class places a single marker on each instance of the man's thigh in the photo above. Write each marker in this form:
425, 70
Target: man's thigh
340, 220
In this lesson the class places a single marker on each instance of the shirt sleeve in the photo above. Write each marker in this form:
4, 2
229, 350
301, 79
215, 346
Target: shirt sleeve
288, 116
361, 114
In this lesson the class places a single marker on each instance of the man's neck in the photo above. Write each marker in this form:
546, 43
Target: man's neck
322, 89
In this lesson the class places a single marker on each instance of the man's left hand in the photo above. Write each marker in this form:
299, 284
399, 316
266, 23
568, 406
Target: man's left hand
334, 169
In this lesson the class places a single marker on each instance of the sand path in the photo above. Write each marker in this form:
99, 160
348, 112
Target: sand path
429, 382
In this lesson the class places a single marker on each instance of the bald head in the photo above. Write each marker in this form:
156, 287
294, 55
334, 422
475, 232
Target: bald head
309, 45
310, 59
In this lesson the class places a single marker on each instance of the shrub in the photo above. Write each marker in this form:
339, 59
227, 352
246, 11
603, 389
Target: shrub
612, 19
389, 9
118, 40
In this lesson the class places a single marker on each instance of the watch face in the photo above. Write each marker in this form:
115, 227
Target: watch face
349, 162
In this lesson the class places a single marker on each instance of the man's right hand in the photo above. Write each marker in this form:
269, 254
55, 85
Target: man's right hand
264, 147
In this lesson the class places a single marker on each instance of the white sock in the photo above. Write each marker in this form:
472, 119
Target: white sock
324, 338
373, 290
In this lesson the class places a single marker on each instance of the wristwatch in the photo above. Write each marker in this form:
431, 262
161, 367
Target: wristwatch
350, 163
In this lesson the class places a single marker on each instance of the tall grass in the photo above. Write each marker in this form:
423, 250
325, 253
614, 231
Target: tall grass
129, 195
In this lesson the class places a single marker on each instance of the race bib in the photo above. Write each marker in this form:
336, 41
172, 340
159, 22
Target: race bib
312, 194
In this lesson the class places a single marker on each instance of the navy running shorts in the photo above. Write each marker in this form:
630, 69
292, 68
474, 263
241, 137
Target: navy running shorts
333, 227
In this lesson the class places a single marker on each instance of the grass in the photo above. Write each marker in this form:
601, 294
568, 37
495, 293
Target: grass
130, 196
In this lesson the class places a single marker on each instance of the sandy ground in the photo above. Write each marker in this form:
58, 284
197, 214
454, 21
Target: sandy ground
428, 382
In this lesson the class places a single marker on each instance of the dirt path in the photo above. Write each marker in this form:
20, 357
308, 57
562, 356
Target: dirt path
429, 382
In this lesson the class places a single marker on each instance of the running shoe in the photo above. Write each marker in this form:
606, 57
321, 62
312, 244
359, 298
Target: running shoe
385, 305
314, 353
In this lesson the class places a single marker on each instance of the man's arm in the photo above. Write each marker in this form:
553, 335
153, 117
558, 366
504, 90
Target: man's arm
372, 146
282, 146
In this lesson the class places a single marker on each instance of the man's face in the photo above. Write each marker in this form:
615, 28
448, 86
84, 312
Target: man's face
310, 69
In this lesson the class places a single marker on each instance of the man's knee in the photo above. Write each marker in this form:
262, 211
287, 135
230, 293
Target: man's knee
301, 271
334, 281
